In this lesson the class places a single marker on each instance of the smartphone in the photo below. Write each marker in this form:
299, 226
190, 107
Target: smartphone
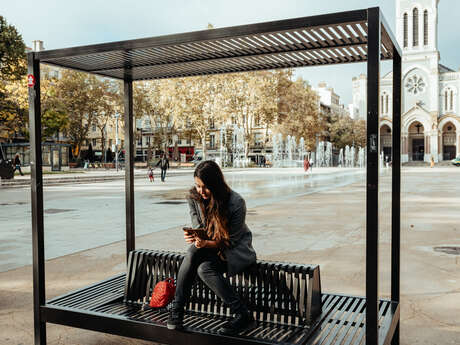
198, 232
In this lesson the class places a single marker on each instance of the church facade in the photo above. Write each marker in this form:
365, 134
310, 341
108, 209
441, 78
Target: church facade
430, 91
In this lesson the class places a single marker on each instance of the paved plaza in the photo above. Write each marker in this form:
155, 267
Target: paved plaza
317, 218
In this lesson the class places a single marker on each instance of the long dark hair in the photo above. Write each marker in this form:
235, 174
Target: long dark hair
215, 209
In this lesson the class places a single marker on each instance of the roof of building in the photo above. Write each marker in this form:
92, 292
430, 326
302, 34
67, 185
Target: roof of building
444, 69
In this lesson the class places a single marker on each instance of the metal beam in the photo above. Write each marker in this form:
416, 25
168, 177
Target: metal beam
129, 166
209, 35
396, 188
372, 176
36, 188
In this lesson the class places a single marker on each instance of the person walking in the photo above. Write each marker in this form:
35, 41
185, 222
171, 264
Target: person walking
150, 174
17, 164
432, 162
163, 163
306, 164
221, 211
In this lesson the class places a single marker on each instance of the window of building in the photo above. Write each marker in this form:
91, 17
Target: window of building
189, 141
382, 109
448, 99
415, 27
94, 142
425, 27
405, 30
211, 123
386, 104
212, 141
94, 127
139, 140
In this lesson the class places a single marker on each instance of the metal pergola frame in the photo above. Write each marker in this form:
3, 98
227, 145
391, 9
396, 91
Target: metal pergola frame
354, 36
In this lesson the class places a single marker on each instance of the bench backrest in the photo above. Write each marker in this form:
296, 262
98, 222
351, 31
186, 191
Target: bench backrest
274, 291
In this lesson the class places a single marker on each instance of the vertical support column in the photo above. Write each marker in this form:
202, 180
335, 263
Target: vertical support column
129, 166
396, 188
372, 176
36, 188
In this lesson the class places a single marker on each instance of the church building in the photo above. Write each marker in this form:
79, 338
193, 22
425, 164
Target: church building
430, 90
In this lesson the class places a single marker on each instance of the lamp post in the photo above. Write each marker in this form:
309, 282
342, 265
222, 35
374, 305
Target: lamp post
117, 116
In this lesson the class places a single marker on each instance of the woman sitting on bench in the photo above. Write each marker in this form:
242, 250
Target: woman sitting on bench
221, 212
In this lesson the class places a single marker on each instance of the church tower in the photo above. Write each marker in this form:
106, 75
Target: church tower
417, 25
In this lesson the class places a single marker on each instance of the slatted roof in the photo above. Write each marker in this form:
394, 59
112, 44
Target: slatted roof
308, 41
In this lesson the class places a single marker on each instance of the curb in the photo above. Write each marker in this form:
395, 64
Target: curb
76, 180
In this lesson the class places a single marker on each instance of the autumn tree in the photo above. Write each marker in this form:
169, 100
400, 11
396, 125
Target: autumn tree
300, 112
13, 115
79, 94
198, 102
12, 52
343, 130
106, 106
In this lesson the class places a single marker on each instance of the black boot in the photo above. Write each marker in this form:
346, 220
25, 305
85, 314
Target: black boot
176, 317
242, 322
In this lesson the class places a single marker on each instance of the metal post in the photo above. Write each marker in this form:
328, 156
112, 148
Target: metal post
36, 186
372, 177
129, 166
396, 188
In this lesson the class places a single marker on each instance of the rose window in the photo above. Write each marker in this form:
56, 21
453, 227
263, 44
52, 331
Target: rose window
415, 84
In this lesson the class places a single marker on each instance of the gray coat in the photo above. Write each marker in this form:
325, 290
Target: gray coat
240, 255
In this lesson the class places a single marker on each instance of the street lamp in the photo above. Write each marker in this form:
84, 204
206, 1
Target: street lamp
117, 116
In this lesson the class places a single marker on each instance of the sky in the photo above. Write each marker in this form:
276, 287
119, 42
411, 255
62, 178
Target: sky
64, 23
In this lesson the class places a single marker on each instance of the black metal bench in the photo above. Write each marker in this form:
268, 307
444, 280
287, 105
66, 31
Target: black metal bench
286, 300
279, 293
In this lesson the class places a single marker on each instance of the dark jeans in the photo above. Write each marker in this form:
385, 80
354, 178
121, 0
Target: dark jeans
210, 268
163, 174
18, 167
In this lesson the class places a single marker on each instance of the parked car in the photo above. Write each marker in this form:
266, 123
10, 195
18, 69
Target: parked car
456, 161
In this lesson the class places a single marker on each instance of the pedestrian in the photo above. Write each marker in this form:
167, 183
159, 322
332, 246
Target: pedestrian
432, 162
17, 164
310, 164
306, 164
221, 211
163, 163
150, 173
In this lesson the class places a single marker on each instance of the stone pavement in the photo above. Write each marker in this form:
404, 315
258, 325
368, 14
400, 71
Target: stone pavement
325, 228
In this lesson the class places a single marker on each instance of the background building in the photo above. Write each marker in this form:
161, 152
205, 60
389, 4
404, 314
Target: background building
430, 99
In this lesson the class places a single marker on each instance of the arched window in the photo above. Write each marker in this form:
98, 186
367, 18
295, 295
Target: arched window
425, 27
415, 27
386, 104
382, 109
405, 30
445, 100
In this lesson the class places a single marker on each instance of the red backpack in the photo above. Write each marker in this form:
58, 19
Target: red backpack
163, 293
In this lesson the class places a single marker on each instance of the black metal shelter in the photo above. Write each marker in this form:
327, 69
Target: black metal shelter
355, 36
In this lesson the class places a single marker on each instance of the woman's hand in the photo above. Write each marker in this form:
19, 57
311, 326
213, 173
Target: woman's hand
199, 243
189, 238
